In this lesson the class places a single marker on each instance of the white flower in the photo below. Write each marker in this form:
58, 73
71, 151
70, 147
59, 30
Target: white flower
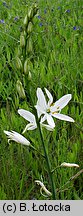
16, 137
64, 164
29, 117
43, 188
50, 109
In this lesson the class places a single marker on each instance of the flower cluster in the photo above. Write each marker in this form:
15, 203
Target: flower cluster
45, 111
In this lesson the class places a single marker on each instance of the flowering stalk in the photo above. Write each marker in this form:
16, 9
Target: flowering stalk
23, 61
47, 159
25, 38
44, 148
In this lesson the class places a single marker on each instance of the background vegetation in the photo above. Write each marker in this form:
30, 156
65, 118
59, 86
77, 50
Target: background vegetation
57, 64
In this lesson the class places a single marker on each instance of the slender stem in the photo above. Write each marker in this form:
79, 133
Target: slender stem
55, 169
47, 161
71, 178
45, 152
36, 150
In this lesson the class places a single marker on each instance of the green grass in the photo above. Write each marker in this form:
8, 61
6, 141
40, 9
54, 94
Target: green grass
56, 62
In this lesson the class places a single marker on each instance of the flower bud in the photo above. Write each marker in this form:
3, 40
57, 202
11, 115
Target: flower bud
35, 5
26, 21
29, 28
20, 89
35, 9
18, 63
22, 40
18, 51
28, 66
30, 13
25, 34
29, 76
29, 45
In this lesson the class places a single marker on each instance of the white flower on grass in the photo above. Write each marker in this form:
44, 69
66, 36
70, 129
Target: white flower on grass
43, 188
29, 117
50, 109
64, 164
12, 135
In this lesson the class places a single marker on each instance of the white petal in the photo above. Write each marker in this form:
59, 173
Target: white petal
40, 110
43, 118
50, 120
48, 127
64, 164
61, 103
8, 133
43, 187
41, 99
39, 113
63, 117
27, 115
49, 96
29, 126
17, 137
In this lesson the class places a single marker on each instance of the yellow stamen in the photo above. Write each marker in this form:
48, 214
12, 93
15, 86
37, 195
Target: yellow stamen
55, 112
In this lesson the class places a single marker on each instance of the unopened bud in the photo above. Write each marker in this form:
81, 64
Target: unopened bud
25, 34
35, 5
29, 28
18, 63
22, 40
29, 76
28, 66
19, 51
29, 45
30, 13
26, 21
35, 9
20, 89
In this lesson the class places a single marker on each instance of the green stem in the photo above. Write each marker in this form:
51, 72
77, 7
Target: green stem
45, 152
36, 150
47, 161
55, 169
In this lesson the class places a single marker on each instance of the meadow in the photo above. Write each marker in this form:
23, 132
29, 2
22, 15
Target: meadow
54, 54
